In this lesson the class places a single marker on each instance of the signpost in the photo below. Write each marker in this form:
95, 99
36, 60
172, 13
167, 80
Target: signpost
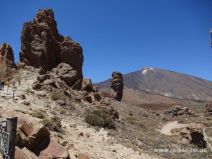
8, 128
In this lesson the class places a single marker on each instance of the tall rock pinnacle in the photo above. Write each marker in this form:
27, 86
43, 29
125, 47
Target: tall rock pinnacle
117, 85
43, 46
7, 64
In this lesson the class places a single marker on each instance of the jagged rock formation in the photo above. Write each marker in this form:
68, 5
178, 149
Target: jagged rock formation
208, 107
61, 77
178, 110
191, 133
7, 64
43, 46
117, 85
87, 85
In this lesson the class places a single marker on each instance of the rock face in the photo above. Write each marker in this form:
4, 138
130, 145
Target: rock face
193, 134
7, 64
209, 108
63, 76
178, 110
66, 73
117, 85
87, 85
43, 47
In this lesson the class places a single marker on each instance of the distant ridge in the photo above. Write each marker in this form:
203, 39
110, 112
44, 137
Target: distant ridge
152, 85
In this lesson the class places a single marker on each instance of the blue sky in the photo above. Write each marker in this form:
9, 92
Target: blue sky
124, 35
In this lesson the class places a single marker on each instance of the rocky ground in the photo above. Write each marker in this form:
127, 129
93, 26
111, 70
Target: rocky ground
77, 136
169, 129
139, 132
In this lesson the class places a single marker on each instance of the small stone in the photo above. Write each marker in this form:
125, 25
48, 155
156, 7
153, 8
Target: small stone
88, 134
22, 96
81, 134
83, 156
64, 143
36, 85
60, 102
70, 146
114, 151
27, 103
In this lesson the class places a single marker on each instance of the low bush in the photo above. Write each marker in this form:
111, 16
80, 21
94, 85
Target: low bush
53, 124
38, 113
57, 96
100, 119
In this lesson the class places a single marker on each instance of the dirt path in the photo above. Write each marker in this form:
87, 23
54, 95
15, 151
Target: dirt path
166, 129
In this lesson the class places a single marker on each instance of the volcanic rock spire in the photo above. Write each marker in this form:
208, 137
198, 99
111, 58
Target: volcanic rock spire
117, 85
43, 46
7, 64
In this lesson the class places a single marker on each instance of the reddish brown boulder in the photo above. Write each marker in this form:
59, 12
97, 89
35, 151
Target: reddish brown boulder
67, 73
84, 156
7, 64
35, 133
24, 154
117, 85
53, 151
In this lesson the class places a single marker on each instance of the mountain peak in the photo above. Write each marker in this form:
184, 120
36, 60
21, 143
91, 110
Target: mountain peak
146, 70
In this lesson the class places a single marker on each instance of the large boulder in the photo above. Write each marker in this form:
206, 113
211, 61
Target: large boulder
43, 47
67, 73
7, 64
208, 108
24, 154
178, 110
87, 85
54, 150
117, 85
192, 133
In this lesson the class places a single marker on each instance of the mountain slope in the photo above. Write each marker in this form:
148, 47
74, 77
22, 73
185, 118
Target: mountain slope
157, 85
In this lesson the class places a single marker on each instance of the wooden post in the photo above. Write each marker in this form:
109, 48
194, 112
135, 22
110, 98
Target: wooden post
11, 128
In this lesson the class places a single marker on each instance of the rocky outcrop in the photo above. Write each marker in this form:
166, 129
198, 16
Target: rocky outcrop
43, 47
117, 85
208, 108
61, 77
178, 110
7, 64
54, 150
66, 73
192, 133
87, 85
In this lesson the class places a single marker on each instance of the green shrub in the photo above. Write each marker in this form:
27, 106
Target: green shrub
57, 96
53, 124
38, 113
100, 119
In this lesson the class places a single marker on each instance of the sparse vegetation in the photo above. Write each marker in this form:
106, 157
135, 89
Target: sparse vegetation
53, 124
38, 113
21, 111
57, 96
100, 119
